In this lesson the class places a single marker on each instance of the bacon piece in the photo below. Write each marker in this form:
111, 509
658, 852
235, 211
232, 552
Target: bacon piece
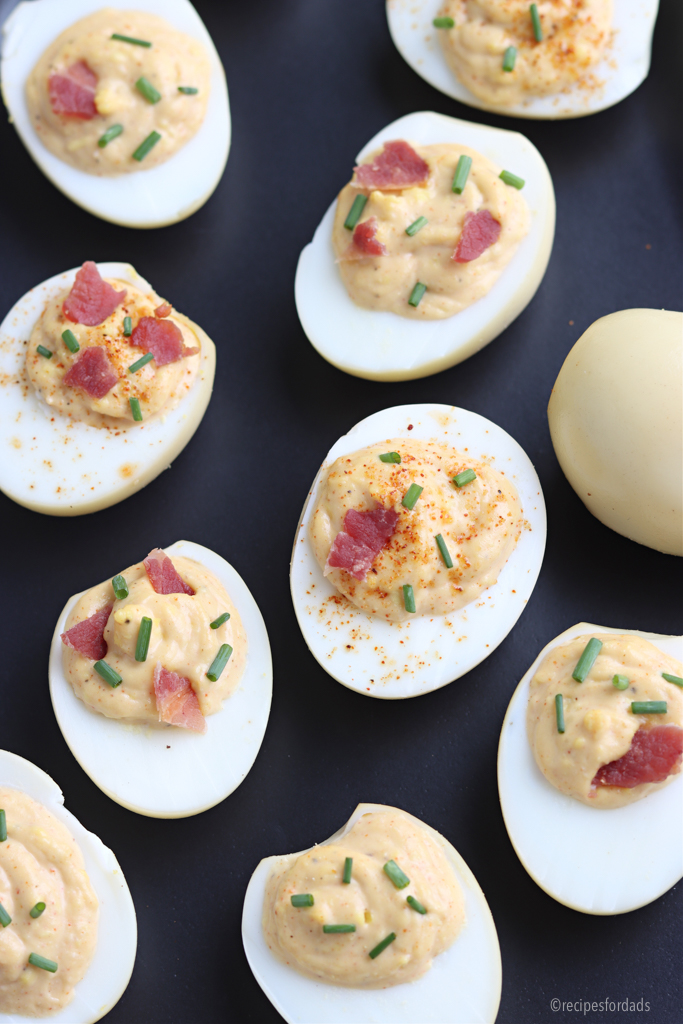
365, 241
364, 535
162, 338
177, 702
87, 637
72, 92
398, 166
92, 372
163, 310
91, 299
653, 755
479, 231
162, 574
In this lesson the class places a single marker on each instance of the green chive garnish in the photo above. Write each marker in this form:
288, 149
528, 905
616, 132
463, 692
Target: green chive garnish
416, 905
466, 477
587, 659
411, 496
559, 712
648, 707
447, 560
109, 674
620, 682
511, 179
37, 910
303, 899
135, 409
381, 946
408, 598
417, 293
142, 361
127, 326
129, 39
5, 919
120, 588
443, 23
146, 89
394, 873
461, 175
390, 457
220, 620
144, 147
509, 58
144, 634
188, 90
42, 351
338, 929
354, 213
416, 226
536, 23
69, 339
43, 963
111, 133
3, 827
219, 662
348, 868
676, 680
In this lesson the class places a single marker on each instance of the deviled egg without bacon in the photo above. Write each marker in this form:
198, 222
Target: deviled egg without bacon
390, 652
430, 336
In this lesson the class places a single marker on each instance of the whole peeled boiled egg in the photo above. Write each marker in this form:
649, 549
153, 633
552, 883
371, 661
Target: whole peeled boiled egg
405, 655
149, 196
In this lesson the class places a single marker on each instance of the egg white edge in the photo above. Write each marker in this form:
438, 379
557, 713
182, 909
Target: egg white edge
409, 1002
198, 771
644, 839
143, 198
15, 477
380, 345
416, 39
117, 929
493, 615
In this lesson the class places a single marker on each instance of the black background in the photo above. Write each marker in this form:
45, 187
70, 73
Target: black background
310, 82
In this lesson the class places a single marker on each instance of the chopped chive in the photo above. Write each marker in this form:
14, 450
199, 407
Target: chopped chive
348, 868
416, 294
303, 899
416, 226
188, 90
441, 543
144, 634
443, 23
411, 496
142, 361
559, 712
127, 326
509, 58
109, 135
109, 674
3, 827
42, 962
461, 175
144, 147
536, 23
511, 179
120, 588
394, 873
146, 89
381, 946
220, 620
130, 39
357, 207
466, 477
390, 457
648, 707
416, 905
135, 409
5, 919
42, 351
219, 662
338, 929
620, 682
69, 339
587, 659
37, 910
408, 598
676, 680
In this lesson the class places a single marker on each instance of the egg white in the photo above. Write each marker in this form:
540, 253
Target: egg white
624, 65
596, 861
117, 935
380, 345
66, 469
170, 772
405, 659
146, 198
462, 987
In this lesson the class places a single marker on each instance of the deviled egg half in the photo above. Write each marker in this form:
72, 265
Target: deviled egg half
436, 969
603, 843
75, 439
124, 109
400, 621
48, 888
161, 646
420, 304
601, 72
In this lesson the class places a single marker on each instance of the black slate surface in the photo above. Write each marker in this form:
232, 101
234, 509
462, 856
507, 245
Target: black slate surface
310, 82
